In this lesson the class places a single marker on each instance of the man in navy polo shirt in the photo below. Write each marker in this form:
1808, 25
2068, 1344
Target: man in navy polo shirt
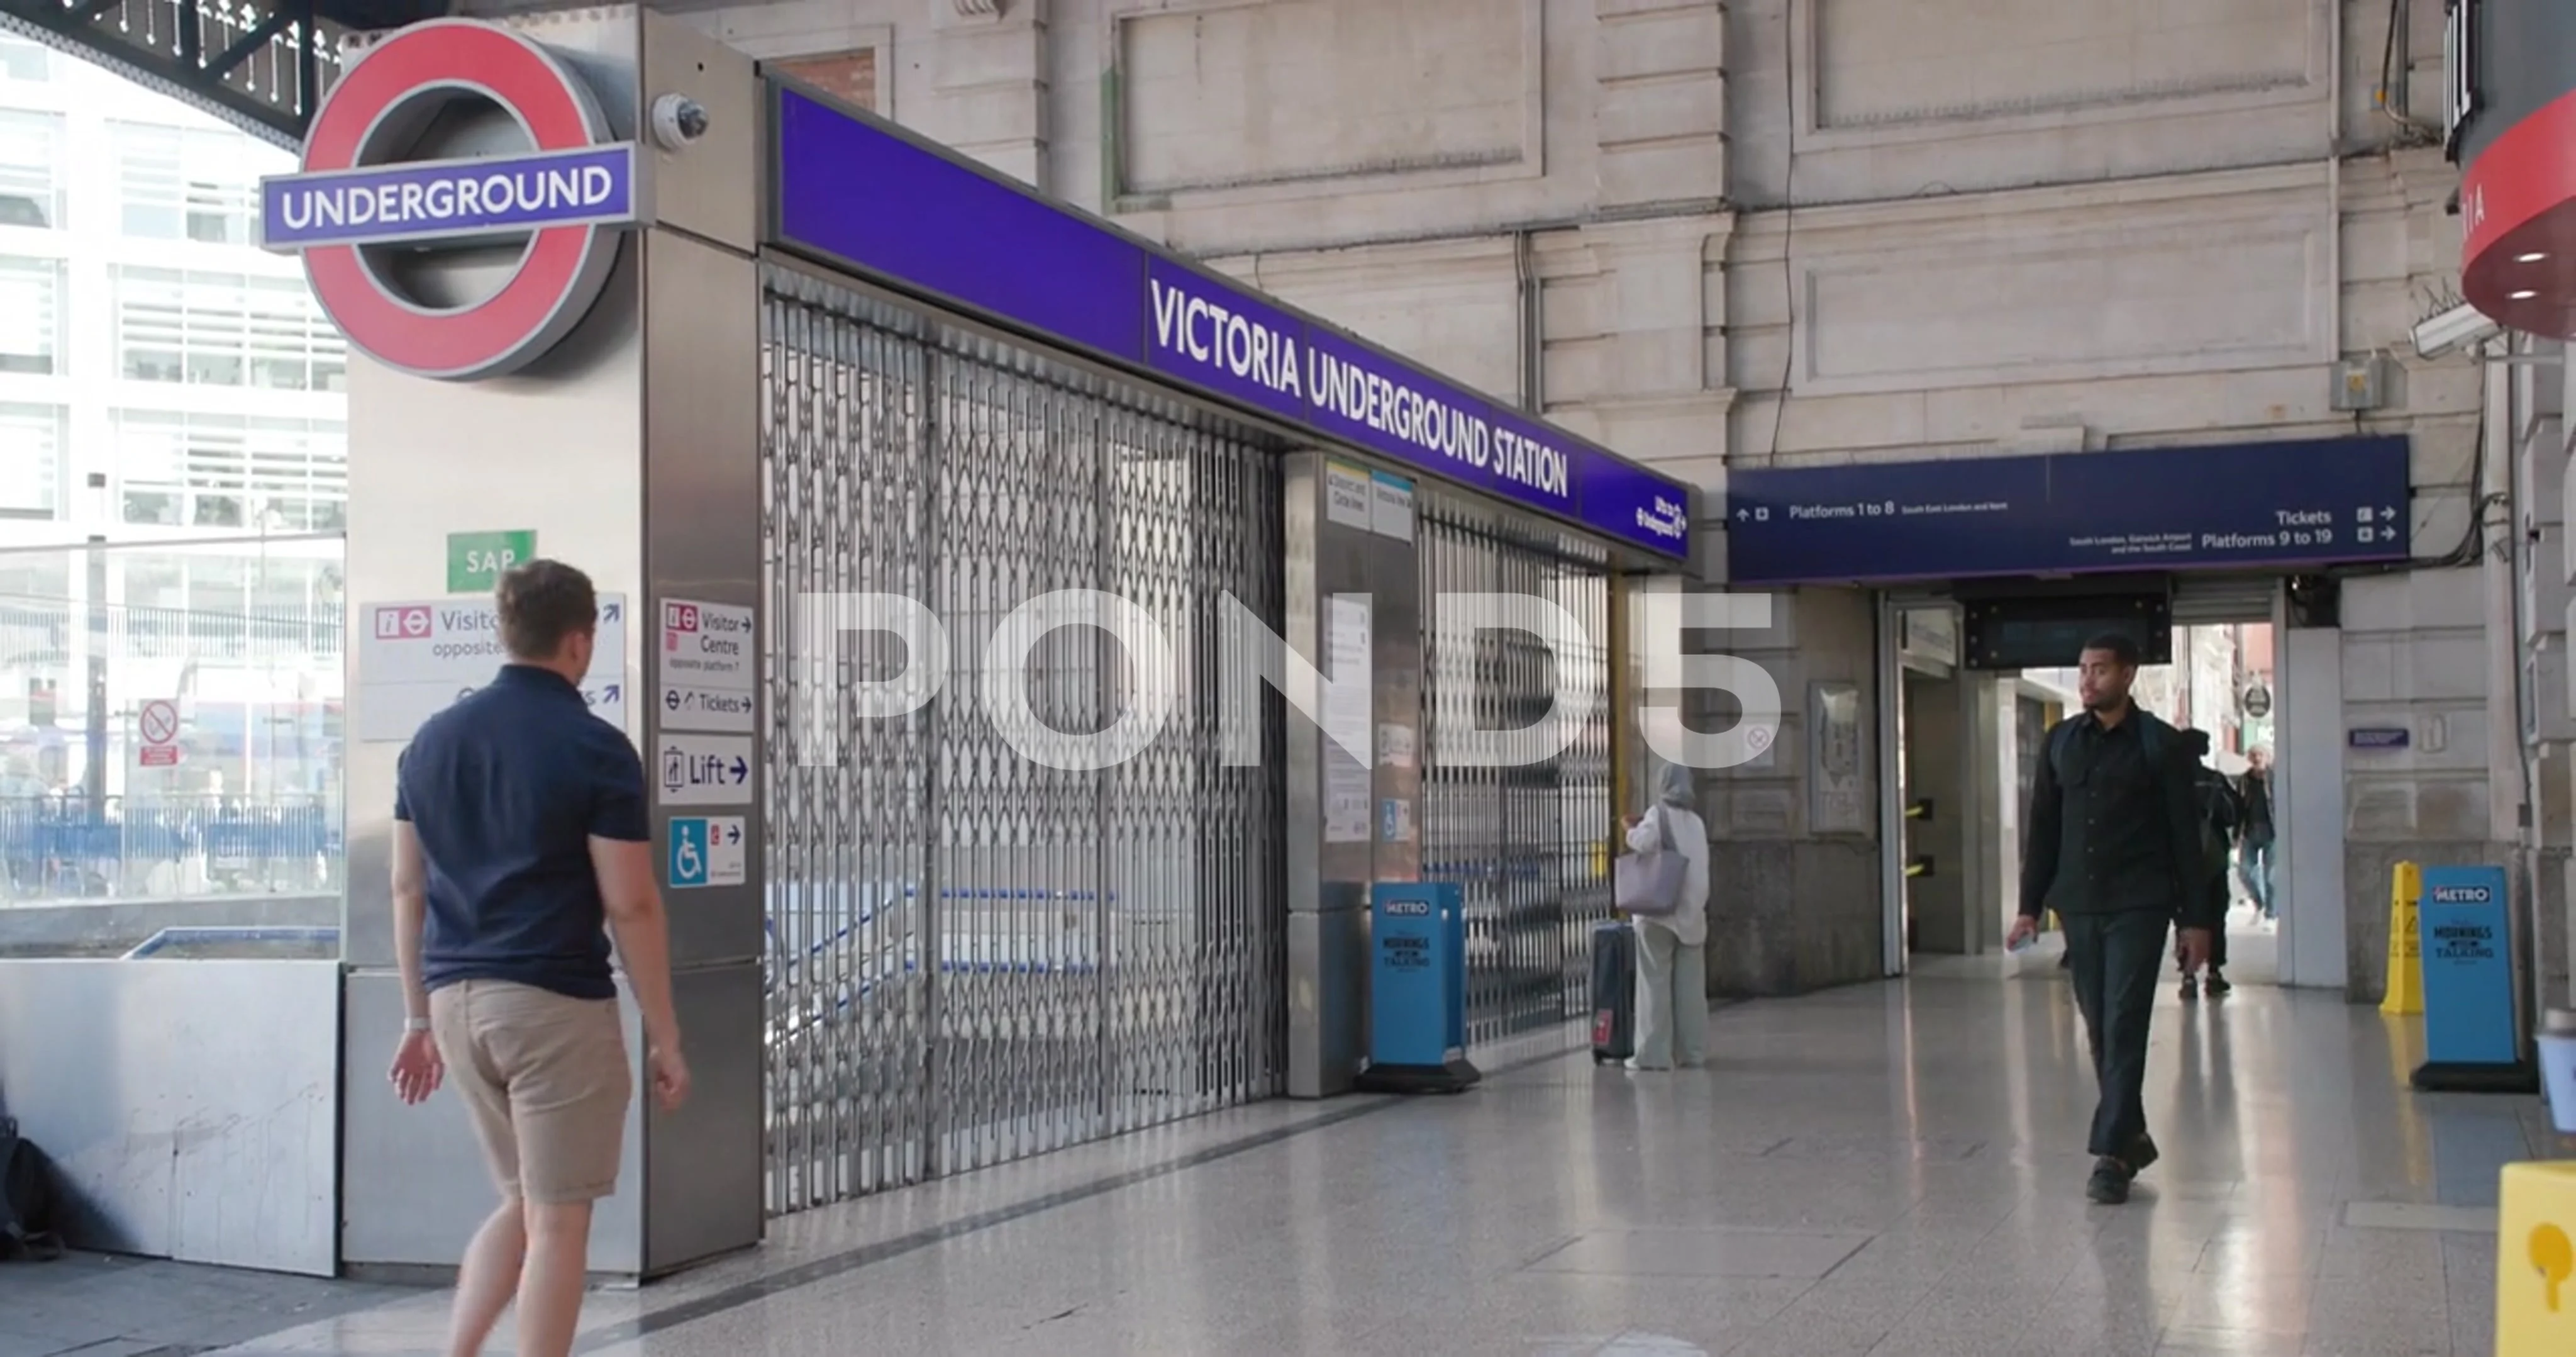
519, 840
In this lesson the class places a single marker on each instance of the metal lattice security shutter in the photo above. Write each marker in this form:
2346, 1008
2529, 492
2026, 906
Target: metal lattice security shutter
975, 957
1527, 844
2211, 600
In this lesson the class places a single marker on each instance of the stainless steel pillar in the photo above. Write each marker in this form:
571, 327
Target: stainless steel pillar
1354, 598
631, 452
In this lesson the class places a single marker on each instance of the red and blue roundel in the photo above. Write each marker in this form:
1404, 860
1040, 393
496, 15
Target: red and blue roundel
355, 209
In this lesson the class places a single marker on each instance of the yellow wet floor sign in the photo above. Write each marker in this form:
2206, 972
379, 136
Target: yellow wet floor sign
2536, 1261
2405, 995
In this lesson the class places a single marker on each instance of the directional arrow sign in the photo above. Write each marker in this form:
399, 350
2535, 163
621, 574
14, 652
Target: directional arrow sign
704, 770
417, 658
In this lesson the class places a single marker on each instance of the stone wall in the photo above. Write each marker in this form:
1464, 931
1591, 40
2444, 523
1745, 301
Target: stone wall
1800, 230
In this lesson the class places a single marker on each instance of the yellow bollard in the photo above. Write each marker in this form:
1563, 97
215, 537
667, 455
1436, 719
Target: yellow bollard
2536, 1260
2405, 947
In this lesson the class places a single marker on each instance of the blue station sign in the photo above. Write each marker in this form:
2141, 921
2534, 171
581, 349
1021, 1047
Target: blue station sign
439, 200
2307, 503
970, 238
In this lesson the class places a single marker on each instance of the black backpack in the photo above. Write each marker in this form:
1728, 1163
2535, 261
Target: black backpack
2220, 817
28, 1206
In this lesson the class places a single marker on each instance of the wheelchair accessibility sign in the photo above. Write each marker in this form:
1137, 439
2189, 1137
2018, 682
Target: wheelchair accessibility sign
706, 851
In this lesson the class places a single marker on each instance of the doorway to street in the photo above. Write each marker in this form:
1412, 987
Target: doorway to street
1968, 735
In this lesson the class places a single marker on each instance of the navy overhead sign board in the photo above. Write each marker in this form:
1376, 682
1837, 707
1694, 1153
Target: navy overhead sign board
2312, 503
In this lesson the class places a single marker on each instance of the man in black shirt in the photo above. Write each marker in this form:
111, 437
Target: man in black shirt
2114, 849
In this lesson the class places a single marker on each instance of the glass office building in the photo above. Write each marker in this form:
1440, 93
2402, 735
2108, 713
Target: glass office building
172, 497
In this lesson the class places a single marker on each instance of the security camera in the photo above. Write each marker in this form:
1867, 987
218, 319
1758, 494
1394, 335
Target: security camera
2449, 332
678, 120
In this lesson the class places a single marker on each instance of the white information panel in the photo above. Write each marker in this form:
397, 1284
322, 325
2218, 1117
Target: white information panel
709, 667
704, 770
1391, 506
417, 659
1348, 782
1394, 745
1346, 496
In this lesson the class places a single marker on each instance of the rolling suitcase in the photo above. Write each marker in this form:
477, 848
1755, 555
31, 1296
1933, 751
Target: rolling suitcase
1614, 991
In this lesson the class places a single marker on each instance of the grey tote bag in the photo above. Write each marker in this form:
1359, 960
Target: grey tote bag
1649, 884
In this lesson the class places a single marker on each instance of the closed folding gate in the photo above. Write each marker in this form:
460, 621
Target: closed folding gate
975, 957
1529, 844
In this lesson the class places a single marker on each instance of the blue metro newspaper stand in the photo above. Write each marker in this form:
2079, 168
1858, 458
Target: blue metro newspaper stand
1417, 989
2471, 1044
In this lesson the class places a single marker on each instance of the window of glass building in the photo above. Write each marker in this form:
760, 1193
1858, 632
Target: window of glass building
31, 295
227, 471
226, 606
225, 329
26, 61
191, 183
31, 455
31, 169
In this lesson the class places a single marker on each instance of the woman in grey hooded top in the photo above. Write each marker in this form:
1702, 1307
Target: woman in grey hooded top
1672, 951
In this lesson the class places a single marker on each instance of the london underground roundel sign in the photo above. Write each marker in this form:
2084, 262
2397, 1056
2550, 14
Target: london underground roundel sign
360, 210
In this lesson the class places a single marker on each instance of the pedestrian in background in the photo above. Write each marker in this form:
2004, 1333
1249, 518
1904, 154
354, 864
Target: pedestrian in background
2254, 841
1672, 949
2221, 818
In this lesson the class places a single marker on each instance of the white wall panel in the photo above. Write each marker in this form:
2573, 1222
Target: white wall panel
1237, 95
1883, 62
2054, 287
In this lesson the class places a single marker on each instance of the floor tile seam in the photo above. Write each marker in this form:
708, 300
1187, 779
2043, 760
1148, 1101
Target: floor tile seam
844, 1262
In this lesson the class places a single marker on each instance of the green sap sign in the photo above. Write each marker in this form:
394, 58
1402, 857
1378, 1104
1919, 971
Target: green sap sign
475, 560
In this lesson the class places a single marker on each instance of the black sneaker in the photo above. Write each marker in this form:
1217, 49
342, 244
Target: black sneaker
2190, 989
2217, 985
2143, 1155
2110, 1182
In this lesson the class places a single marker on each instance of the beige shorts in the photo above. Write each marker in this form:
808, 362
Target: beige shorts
545, 1078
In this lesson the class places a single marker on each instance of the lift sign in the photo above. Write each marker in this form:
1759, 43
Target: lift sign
565, 199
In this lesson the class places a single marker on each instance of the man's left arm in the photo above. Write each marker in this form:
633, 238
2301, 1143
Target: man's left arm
417, 1070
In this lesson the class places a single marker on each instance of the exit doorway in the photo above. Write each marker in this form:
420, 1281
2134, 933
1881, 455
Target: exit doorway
1962, 746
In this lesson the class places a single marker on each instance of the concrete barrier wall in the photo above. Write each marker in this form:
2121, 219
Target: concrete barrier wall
109, 927
190, 1107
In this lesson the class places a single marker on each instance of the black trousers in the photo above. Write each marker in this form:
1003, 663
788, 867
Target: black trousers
2219, 901
2116, 961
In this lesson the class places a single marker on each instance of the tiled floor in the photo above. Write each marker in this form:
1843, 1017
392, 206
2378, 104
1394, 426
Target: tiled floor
1889, 1171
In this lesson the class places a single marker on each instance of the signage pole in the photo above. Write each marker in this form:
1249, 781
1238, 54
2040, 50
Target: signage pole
94, 778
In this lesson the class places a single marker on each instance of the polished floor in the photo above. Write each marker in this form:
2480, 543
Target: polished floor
1894, 1171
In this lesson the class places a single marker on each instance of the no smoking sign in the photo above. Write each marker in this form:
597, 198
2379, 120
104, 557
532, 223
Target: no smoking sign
158, 724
